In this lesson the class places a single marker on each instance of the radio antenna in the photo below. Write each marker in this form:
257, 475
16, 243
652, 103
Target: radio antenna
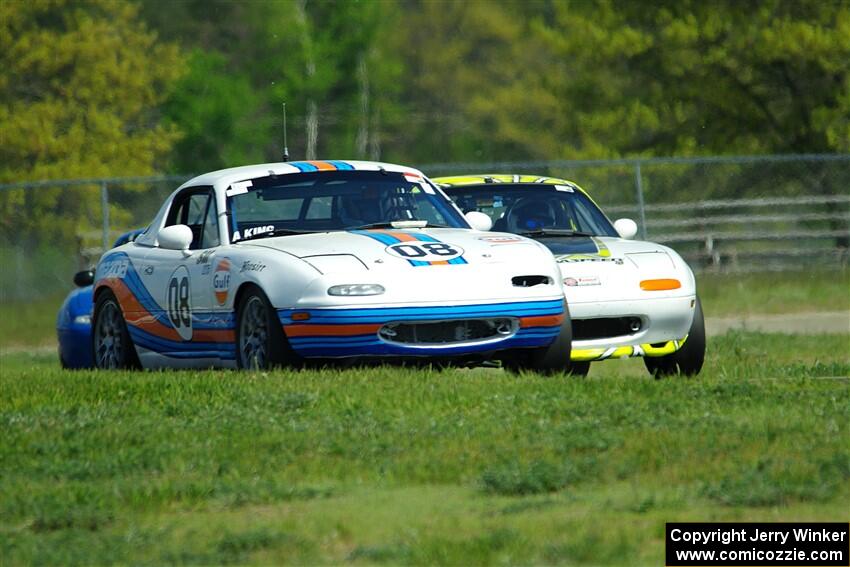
285, 147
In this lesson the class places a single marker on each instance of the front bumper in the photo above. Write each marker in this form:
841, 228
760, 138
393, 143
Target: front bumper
355, 331
665, 323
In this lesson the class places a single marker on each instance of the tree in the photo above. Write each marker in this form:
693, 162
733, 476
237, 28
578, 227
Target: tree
676, 77
79, 90
324, 59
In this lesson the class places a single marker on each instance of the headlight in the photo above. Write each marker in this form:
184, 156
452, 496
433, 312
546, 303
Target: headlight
82, 320
356, 289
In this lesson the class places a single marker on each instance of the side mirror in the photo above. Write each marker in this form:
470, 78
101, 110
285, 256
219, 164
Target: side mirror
626, 227
84, 278
175, 237
479, 221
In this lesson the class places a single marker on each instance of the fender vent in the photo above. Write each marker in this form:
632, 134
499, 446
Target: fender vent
530, 281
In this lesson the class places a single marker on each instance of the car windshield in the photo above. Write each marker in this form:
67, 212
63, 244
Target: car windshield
335, 200
534, 209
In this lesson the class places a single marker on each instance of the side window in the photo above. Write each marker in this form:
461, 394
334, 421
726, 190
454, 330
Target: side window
190, 208
210, 235
196, 209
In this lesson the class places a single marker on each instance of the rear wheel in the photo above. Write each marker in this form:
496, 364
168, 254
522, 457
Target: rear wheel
260, 342
111, 344
689, 359
554, 359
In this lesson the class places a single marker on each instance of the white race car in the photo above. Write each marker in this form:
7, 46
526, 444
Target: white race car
626, 297
282, 263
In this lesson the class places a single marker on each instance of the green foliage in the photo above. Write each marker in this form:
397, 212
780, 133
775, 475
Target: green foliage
79, 94
337, 58
214, 108
606, 79
389, 465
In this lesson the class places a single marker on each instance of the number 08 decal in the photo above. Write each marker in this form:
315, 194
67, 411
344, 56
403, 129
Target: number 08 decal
179, 303
425, 251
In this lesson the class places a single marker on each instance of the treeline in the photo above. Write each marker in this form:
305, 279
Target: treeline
105, 88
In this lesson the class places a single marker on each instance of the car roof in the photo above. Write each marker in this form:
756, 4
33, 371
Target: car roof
495, 178
224, 177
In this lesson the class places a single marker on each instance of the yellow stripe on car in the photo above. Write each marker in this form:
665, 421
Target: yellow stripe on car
593, 354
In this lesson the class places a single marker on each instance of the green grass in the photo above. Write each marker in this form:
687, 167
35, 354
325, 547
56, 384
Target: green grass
781, 292
399, 466
29, 323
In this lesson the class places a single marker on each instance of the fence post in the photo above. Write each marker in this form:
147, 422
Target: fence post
641, 208
104, 207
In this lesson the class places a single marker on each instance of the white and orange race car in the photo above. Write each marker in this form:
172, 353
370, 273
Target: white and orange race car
282, 263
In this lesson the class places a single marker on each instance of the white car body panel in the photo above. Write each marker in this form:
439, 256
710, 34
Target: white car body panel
180, 306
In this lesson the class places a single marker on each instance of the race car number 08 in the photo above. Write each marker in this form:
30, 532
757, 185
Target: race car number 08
179, 307
426, 251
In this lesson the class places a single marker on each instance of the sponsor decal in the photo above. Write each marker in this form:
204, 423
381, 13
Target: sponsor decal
501, 239
572, 258
204, 257
221, 280
566, 188
582, 281
148, 270
116, 268
249, 266
248, 232
239, 188
425, 251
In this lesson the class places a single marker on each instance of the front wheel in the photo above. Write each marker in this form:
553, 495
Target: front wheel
260, 342
554, 359
689, 359
111, 344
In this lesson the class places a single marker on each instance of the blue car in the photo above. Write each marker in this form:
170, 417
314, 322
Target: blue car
73, 324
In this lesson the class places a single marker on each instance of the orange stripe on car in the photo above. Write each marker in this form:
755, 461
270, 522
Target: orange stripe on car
330, 330
323, 165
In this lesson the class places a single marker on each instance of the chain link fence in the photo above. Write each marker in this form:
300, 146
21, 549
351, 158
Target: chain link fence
732, 214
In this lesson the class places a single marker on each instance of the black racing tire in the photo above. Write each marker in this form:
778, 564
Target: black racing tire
553, 359
688, 360
112, 347
260, 341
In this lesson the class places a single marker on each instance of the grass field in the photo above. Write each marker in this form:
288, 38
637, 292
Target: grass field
389, 466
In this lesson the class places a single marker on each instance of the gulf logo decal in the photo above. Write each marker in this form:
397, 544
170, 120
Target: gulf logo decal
417, 248
221, 280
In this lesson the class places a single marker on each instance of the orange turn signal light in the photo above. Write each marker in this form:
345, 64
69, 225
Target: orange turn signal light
660, 285
301, 316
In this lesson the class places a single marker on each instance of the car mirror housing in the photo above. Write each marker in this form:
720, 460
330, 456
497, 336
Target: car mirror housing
627, 228
84, 278
175, 237
479, 221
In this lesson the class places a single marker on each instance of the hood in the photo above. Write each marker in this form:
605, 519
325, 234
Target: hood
602, 268
403, 249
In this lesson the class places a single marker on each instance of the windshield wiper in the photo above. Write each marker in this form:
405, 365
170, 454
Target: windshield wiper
544, 232
407, 223
277, 232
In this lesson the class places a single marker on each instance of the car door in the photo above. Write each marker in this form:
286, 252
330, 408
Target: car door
180, 282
